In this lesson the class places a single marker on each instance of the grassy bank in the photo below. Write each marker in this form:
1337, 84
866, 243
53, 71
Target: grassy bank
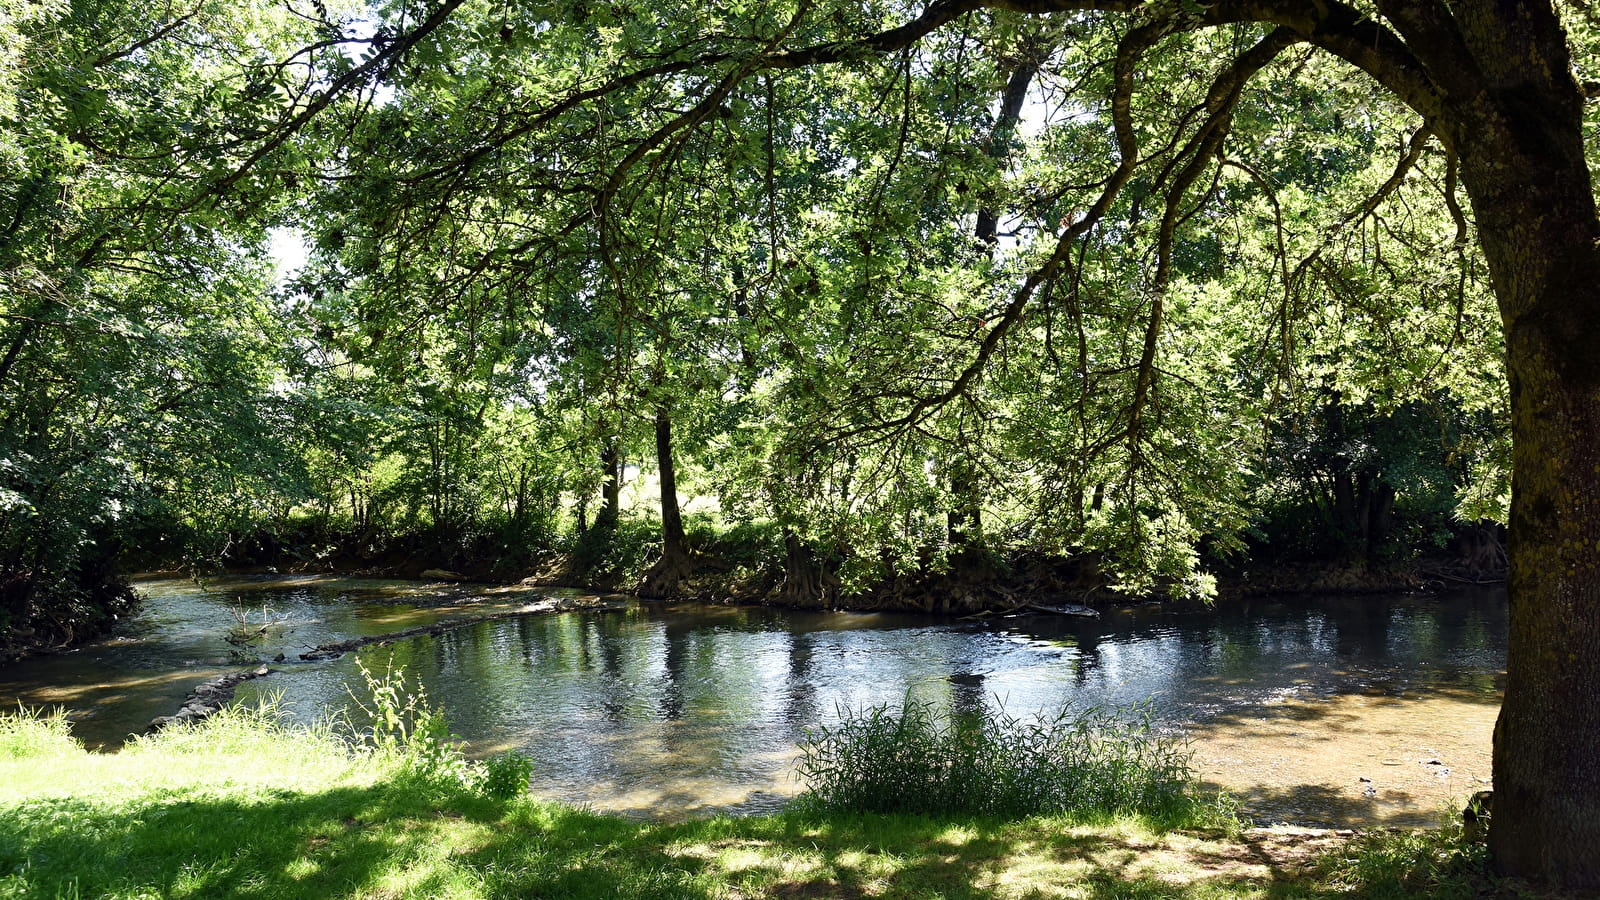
241, 807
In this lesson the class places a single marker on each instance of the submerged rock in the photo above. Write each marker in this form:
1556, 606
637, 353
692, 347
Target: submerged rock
542, 605
1065, 609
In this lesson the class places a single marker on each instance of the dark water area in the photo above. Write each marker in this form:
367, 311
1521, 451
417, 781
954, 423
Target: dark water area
656, 710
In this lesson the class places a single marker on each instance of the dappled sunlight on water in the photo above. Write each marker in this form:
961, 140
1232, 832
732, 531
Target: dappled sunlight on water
115, 687
656, 710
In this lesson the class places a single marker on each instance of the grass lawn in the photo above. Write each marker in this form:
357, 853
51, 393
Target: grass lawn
240, 807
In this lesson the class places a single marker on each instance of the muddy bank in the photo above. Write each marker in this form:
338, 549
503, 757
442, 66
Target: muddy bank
1027, 585
1431, 573
749, 569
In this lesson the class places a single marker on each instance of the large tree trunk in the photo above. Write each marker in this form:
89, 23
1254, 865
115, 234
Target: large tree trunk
1547, 742
1521, 150
672, 539
806, 581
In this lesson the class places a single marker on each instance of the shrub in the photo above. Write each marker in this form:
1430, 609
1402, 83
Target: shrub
912, 759
618, 554
407, 729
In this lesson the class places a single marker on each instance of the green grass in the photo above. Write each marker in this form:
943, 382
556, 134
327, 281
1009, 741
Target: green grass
243, 807
1408, 863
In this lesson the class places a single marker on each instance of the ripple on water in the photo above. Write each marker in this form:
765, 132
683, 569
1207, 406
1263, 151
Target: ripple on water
669, 711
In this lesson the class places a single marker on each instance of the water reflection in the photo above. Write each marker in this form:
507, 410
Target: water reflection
115, 687
660, 710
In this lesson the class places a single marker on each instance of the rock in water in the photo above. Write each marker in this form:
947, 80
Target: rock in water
208, 699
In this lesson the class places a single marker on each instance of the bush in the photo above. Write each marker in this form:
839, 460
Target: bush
619, 554
407, 730
915, 760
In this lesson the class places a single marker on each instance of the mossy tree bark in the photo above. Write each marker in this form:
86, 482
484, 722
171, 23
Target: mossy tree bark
806, 580
1519, 138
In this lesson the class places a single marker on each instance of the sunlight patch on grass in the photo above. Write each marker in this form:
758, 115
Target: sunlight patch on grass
742, 860
957, 835
301, 869
302, 817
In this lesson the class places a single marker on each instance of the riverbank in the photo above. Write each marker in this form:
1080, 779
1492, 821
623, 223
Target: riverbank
238, 807
82, 616
991, 585
758, 563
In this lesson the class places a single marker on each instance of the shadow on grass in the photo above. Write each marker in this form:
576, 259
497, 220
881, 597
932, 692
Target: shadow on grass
399, 839
849, 856
392, 839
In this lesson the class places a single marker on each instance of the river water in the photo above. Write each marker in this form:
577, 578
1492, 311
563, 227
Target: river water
1348, 712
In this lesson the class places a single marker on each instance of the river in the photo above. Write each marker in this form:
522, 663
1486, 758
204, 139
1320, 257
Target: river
1344, 712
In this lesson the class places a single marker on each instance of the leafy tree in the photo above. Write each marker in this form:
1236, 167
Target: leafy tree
1492, 85
1229, 201
137, 354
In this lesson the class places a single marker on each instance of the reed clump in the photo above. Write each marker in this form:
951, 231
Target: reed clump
913, 758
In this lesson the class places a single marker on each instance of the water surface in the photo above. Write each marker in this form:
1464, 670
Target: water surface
655, 710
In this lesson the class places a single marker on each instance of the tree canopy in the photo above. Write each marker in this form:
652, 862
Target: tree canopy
902, 284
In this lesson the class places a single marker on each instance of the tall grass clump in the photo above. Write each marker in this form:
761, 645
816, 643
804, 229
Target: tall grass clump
414, 735
29, 733
914, 759
262, 731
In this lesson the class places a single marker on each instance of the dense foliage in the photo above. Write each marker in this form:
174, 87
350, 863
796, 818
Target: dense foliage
891, 315
906, 289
